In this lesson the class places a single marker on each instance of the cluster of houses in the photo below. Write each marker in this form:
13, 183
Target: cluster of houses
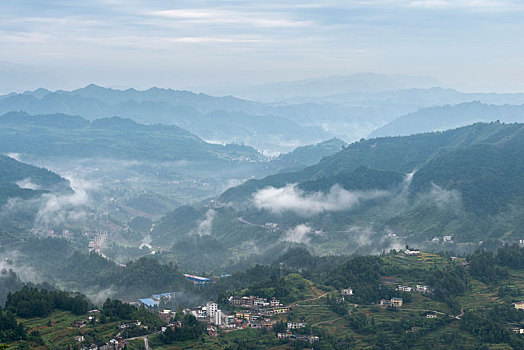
82, 323
116, 343
273, 227
418, 288
113, 344
290, 326
257, 313
291, 336
253, 301
519, 305
210, 313
445, 240
214, 204
66, 234
251, 312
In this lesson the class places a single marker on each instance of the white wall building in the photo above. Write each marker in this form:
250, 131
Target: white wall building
211, 309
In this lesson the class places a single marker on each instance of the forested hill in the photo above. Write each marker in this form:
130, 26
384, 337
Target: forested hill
310, 154
23, 180
399, 154
67, 136
465, 183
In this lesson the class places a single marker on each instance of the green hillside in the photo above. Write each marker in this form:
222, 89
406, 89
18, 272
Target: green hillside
466, 183
454, 303
399, 154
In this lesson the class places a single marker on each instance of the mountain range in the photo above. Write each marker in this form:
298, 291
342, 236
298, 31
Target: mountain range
340, 109
376, 194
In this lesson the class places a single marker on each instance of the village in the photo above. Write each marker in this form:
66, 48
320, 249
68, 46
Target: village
239, 312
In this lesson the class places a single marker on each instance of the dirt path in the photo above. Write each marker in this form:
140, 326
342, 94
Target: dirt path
296, 303
328, 321
250, 223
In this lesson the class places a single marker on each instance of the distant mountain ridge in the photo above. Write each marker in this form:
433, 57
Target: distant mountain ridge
343, 108
335, 84
222, 119
449, 117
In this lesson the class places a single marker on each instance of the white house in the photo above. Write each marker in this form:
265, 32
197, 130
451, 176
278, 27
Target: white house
412, 252
405, 288
347, 291
422, 288
295, 325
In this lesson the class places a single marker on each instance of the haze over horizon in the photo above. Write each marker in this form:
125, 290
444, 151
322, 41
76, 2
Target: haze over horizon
474, 45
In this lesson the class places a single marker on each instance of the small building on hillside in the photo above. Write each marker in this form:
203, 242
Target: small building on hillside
422, 288
309, 338
519, 305
148, 302
274, 302
166, 315
412, 252
385, 302
396, 302
79, 324
347, 291
405, 288
245, 315
197, 279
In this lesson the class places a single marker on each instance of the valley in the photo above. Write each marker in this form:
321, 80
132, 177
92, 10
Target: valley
381, 243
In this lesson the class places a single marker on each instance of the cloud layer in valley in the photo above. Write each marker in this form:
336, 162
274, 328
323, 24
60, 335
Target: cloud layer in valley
298, 234
291, 198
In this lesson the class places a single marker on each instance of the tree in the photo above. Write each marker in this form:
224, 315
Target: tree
279, 327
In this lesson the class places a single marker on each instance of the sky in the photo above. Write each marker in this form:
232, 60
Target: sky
64, 44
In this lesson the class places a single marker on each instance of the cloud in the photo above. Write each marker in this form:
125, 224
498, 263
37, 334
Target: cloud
231, 17
56, 209
444, 199
291, 198
26, 183
205, 226
476, 5
15, 156
26, 273
97, 295
298, 234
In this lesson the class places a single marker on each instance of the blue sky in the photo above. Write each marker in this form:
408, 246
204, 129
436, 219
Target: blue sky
472, 44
